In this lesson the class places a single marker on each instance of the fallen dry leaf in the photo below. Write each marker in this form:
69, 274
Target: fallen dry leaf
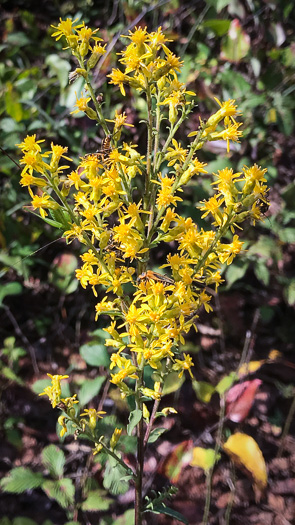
244, 452
239, 400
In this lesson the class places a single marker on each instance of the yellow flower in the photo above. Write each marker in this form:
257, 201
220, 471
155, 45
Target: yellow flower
30, 144
43, 202
118, 78
93, 415
81, 103
175, 153
166, 193
230, 250
186, 364
128, 370
65, 28
54, 391
61, 421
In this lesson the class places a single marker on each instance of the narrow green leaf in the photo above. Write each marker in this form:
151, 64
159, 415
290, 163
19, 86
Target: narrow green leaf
162, 509
155, 434
134, 418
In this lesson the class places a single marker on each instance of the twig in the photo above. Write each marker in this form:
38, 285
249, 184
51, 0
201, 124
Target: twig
151, 422
249, 339
209, 475
25, 340
287, 427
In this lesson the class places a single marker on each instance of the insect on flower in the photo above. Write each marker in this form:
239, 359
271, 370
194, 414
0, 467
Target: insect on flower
263, 205
149, 275
113, 247
105, 150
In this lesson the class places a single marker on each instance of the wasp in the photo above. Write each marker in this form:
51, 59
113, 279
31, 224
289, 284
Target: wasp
105, 150
263, 205
113, 247
149, 275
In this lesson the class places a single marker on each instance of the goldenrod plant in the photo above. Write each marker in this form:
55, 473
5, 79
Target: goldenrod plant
120, 204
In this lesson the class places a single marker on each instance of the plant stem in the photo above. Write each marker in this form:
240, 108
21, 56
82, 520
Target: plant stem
151, 422
209, 474
140, 455
149, 147
96, 104
287, 427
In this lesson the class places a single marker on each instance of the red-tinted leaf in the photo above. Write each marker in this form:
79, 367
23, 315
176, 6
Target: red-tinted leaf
239, 400
177, 460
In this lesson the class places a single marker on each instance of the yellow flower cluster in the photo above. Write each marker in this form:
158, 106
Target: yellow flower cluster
122, 204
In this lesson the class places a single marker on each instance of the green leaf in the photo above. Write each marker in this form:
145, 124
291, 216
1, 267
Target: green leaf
236, 44
289, 293
62, 491
126, 519
203, 390
262, 273
59, 67
134, 418
39, 385
172, 383
21, 520
112, 480
219, 27
287, 235
97, 501
162, 509
9, 289
90, 389
95, 354
204, 458
54, 459
225, 383
5, 521
155, 434
10, 374
219, 4
21, 479
235, 272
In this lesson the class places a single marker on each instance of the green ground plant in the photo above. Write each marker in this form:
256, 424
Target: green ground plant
120, 205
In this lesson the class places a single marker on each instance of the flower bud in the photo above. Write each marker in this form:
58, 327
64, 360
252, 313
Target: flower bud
91, 113
115, 437
145, 412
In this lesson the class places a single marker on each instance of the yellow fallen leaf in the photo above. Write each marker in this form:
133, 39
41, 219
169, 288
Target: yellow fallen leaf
244, 451
204, 458
250, 368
